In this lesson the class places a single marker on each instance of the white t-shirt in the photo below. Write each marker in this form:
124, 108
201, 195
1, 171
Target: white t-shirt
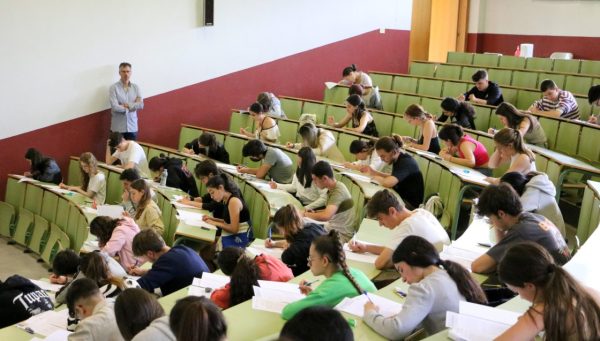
134, 153
423, 224
375, 162
98, 186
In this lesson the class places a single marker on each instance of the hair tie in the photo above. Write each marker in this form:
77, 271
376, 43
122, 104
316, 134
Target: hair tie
240, 258
551, 268
440, 263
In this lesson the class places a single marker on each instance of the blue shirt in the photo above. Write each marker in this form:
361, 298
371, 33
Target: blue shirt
174, 270
124, 120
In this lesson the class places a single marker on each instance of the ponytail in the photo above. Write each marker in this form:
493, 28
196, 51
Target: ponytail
563, 297
348, 70
417, 251
357, 101
243, 271
389, 143
330, 246
417, 111
158, 162
512, 137
223, 179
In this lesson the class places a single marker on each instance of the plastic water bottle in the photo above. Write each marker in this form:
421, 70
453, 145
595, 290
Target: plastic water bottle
163, 177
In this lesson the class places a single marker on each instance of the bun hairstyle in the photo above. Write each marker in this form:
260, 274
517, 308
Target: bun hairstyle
417, 251
264, 98
348, 70
568, 307
158, 162
331, 247
512, 137
452, 132
417, 111
257, 108
389, 143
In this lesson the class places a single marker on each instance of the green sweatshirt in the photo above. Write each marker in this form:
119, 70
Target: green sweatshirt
331, 292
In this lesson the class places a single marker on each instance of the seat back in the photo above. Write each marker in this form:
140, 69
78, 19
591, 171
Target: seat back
512, 62
448, 71
567, 65
590, 67
525, 79
53, 244
578, 84
74, 175
237, 121
291, 107
7, 219
454, 89
381, 80
23, 229
499, 76
405, 84
186, 135
540, 64
39, 234
288, 130
319, 109
422, 69
460, 58
486, 59
430, 87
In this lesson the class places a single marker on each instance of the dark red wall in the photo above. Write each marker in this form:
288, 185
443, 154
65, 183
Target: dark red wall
209, 103
581, 47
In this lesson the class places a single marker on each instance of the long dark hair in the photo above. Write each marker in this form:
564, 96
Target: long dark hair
244, 273
303, 172
141, 185
515, 116
288, 219
512, 137
94, 267
209, 140
568, 307
38, 161
518, 180
90, 160
331, 247
417, 251
228, 184
135, 309
358, 146
196, 318
357, 101
459, 109
102, 227
158, 162
452, 132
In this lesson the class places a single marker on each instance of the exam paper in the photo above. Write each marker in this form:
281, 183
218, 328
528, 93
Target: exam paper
479, 322
330, 85
355, 305
264, 304
113, 211
46, 285
258, 250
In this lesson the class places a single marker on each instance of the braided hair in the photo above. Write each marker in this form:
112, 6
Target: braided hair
331, 247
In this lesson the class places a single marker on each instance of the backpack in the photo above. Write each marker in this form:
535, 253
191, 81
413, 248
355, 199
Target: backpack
434, 205
20, 299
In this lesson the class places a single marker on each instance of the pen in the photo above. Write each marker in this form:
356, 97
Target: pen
29, 330
400, 292
307, 284
365, 293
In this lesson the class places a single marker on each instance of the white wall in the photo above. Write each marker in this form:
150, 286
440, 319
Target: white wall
60, 56
535, 17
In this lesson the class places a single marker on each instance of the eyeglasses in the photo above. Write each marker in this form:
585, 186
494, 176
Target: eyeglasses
310, 259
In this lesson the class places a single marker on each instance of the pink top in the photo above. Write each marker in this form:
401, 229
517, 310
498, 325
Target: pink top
480, 153
120, 243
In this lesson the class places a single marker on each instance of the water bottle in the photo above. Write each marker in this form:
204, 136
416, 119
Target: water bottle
163, 177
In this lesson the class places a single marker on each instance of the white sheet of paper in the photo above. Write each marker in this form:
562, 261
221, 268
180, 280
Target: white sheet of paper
479, 322
26, 179
113, 211
355, 305
198, 291
330, 85
209, 280
180, 205
59, 335
277, 295
188, 214
90, 210
47, 322
258, 250
358, 177
46, 285
200, 223
281, 286
264, 304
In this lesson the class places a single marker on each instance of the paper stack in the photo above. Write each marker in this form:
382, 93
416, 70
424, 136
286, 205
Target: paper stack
207, 284
274, 296
478, 322
355, 305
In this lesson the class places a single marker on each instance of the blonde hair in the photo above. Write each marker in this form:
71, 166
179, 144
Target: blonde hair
90, 160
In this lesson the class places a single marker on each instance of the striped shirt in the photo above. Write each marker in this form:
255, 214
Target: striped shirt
565, 103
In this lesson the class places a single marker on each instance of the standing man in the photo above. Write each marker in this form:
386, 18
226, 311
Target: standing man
125, 100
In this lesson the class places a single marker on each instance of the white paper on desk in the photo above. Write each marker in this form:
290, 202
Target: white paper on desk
90, 210
59, 335
359, 177
180, 205
113, 211
26, 179
330, 85
359, 257
200, 223
47, 285
62, 191
228, 167
185, 215
310, 220
292, 288
264, 304
47, 322
209, 280
355, 305
258, 250
198, 291
469, 174
283, 296
462, 254
479, 322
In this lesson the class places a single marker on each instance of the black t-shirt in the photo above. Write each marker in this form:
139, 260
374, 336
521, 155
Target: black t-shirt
296, 254
177, 177
218, 154
410, 184
493, 94
20, 299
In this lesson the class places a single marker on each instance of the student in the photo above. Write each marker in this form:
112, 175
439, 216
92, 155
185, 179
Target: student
245, 273
235, 226
321, 141
510, 149
561, 307
266, 127
177, 175
391, 214
372, 102
196, 318
327, 323
140, 317
406, 178
524, 122
276, 164
95, 312
537, 194
555, 102
594, 99
68, 266
298, 236
129, 153
20, 299
339, 212
125, 100
366, 155
207, 145
484, 91
351, 75
461, 148
147, 213
271, 104
205, 170
173, 268
327, 258
115, 237
461, 113
93, 181
302, 185
436, 287
417, 116
127, 177
502, 206
362, 121
42, 168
